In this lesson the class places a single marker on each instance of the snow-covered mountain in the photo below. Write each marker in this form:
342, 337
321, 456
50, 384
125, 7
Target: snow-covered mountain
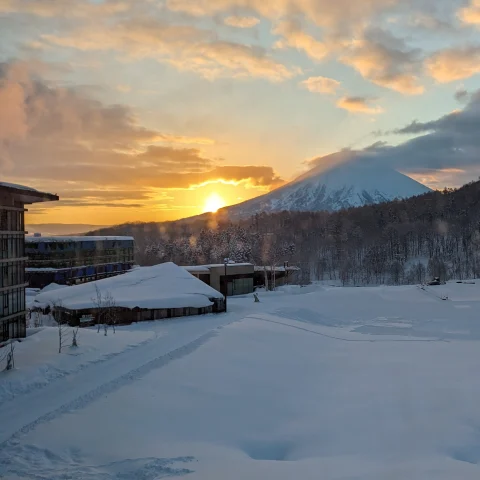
351, 183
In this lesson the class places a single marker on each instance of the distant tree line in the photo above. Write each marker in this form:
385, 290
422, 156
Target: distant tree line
399, 242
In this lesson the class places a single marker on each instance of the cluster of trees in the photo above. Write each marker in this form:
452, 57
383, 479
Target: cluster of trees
404, 241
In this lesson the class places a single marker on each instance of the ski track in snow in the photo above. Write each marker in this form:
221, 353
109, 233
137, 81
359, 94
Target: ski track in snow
53, 374
10, 441
108, 387
359, 340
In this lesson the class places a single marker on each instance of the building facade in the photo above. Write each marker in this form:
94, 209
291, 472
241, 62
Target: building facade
71, 260
237, 281
13, 199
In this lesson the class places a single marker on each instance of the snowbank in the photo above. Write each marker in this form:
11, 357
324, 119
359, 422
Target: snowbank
161, 286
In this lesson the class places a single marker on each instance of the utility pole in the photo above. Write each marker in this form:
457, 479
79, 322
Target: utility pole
225, 261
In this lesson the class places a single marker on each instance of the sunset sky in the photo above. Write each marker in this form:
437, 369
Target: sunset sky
153, 110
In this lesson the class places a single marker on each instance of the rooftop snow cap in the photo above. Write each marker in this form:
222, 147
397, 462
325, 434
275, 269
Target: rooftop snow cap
161, 286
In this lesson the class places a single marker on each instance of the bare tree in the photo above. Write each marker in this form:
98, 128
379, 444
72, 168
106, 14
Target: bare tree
105, 306
111, 310
37, 318
74, 336
8, 355
62, 325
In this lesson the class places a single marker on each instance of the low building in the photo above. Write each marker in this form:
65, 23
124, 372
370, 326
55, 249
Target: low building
237, 281
13, 199
145, 293
266, 275
76, 259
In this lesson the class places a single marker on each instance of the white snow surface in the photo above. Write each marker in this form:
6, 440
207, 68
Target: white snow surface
315, 382
351, 182
162, 286
37, 361
51, 287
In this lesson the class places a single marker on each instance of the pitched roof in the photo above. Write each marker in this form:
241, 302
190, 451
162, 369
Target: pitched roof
161, 286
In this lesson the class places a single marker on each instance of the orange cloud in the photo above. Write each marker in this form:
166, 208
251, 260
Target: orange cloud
334, 14
295, 37
325, 85
241, 22
385, 61
186, 47
454, 64
471, 14
64, 8
63, 136
359, 105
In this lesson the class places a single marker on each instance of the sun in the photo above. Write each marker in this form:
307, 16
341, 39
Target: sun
213, 202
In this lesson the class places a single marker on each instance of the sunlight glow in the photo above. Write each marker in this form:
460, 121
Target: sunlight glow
213, 203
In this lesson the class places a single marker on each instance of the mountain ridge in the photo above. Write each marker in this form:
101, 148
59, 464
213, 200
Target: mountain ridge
345, 183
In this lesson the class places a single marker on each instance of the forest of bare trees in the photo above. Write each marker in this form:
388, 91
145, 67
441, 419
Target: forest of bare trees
406, 241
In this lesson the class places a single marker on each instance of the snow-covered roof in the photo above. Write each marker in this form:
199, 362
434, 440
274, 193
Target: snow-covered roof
52, 287
74, 239
161, 286
260, 268
197, 268
18, 187
28, 195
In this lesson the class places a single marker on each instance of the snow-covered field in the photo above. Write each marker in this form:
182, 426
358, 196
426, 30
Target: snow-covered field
311, 383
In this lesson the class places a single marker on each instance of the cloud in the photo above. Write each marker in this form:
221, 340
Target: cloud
429, 22
451, 141
64, 8
294, 37
454, 63
359, 105
325, 85
386, 61
122, 88
186, 47
471, 14
339, 14
440, 178
62, 136
241, 22
461, 95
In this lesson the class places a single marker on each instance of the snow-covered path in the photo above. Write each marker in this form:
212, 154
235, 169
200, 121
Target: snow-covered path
316, 383
175, 338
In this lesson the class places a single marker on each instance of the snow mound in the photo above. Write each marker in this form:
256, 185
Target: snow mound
161, 286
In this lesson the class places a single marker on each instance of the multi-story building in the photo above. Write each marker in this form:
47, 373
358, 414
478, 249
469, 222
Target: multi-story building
13, 199
72, 260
